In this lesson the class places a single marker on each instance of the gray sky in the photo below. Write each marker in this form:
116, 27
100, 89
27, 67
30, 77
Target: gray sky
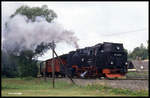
97, 22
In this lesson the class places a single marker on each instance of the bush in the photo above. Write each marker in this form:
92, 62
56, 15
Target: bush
28, 69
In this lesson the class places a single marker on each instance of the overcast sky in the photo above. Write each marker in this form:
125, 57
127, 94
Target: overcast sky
97, 22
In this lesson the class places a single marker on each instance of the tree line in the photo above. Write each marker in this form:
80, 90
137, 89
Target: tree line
139, 53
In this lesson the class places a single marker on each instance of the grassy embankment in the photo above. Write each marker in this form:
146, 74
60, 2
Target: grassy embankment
38, 87
144, 74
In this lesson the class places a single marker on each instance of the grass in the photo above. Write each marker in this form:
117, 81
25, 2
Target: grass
140, 74
40, 87
117, 91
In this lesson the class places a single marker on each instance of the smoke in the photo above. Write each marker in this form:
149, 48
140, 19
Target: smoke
20, 35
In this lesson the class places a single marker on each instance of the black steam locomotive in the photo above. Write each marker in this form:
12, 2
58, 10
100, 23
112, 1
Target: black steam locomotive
102, 60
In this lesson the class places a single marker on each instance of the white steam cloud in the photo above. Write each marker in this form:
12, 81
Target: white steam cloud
21, 35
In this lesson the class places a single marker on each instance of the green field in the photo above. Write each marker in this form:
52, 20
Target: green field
40, 87
142, 74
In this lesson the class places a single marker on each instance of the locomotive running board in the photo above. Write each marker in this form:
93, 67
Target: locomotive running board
109, 73
114, 75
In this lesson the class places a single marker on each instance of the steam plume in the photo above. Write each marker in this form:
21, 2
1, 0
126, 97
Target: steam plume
21, 35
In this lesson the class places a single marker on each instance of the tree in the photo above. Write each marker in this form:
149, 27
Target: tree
27, 66
9, 66
24, 63
148, 47
141, 52
32, 13
147, 44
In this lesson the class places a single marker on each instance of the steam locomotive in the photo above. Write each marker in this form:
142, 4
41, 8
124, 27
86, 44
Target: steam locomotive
102, 60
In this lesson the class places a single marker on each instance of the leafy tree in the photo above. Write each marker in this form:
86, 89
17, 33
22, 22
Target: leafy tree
32, 13
147, 44
27, 66
148, 48
9, 66
24, 64
139, 52
43, 47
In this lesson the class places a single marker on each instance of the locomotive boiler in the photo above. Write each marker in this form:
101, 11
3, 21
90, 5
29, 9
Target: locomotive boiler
102, 60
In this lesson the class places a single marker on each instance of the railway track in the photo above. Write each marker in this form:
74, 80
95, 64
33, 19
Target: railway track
128, 78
